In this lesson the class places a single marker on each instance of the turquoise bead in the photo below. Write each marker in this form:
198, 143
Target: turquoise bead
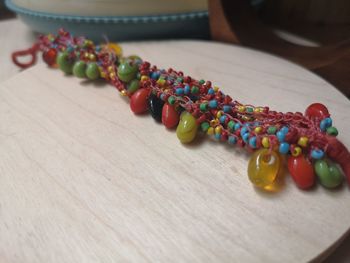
92, 71
213, 104
317, 154
232, 140
284, 148
223, 119
284, 129
281, 136
227, 108
252, 142
245, 137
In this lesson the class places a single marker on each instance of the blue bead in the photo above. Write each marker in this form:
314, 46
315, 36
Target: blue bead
244, 130
232, 140
70, 49
284, 148
237, 126
179, 91
217, 136
252, 142
213, 104
317, 154
155, 75
245, 137
223, 119
325, 123
162, 96
187, 89
211, 91
284, 129
281, 136
227, 108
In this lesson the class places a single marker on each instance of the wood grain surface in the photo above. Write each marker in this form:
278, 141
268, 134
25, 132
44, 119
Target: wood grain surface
82, 179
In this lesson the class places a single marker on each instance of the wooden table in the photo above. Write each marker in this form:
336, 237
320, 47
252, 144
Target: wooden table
84, 180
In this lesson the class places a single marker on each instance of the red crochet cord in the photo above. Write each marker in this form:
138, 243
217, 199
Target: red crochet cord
32, 52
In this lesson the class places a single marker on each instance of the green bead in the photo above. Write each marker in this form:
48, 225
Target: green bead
250, 110
332, 131
92, 71
271, 130
203, 107
79, 69
179, 80
205, 126
187, 128
127, 71
133, 85
231, 125
329, 175
171, 100
64, 62
201, 82
194, 90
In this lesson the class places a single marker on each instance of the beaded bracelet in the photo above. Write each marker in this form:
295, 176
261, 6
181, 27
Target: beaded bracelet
308, 140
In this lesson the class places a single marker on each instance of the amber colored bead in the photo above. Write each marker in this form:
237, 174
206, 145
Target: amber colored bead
170, 117
138, 101
301, 171
263, 167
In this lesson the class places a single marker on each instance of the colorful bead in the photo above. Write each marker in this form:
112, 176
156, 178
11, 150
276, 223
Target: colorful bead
203, 107
232, 140
171, 100
227, 108
133, 86
92, 71
138, 101
301, 171
79, 69
170, 117
218, 129
211, 91
263, 167
205, 126
265, 142
64, 62
257, 130
332, 131
328, 174
210, 131
127, 71
317, 110
155, 107
231, 125
281, 136
187, 89
284, 129
284, 148
303, 141
271, 130
187, 129
50, 57
179, 91
213, 104
296, 151
194, 90
325, 123
317, 154
223, 119
252, 142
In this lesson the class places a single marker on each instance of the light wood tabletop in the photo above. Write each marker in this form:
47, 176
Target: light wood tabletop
82, 179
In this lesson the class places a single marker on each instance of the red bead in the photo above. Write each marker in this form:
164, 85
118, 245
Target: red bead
317, 110
138, 101
301, 171
49, 56
170, 117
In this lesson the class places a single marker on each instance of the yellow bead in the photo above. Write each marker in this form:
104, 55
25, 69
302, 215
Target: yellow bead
241, 108
263, 167
187, 128
258, 129
219, 114
218, 129
103, 74
216, 89
112, 75
116, 48
86, 55
161, 82
296, 151
214, 122
265, 142
144, 78
303, 141
92, 57
110, 69
124, 92
210, 131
